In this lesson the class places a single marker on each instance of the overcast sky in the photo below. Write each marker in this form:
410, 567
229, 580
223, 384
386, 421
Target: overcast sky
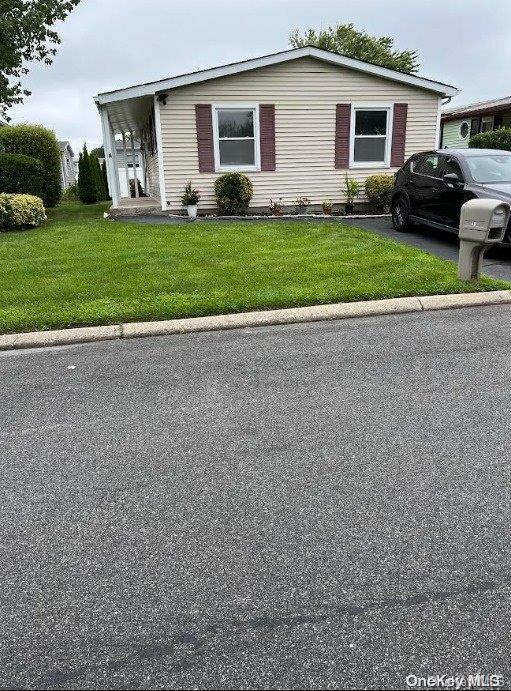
107, 44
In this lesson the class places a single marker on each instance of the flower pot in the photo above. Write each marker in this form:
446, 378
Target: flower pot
192, 211
327, 210
348, 207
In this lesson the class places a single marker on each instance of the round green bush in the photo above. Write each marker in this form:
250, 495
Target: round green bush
378, 188
233, 192
21, 174
40, 143
21, 211
493, 139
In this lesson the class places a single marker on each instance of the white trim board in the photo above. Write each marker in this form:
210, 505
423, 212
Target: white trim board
161, 85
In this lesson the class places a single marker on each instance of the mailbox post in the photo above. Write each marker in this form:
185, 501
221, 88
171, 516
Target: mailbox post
483, 222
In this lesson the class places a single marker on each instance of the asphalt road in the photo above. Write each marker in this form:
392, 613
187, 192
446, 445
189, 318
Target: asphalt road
307, 506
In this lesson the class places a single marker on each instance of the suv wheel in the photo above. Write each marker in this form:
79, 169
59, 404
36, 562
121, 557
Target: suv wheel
400, 215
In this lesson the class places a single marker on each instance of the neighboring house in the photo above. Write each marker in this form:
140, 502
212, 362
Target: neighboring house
67, 166
459, 124
295, 122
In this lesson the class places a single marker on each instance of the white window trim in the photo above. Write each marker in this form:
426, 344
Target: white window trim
257, 140
463, 122
389, 107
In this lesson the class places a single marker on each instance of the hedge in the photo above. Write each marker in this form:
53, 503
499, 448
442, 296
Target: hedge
40, 143
21, 174
493, 139
21, 211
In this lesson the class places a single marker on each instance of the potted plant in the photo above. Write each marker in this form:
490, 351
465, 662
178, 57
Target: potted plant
190, 199
352, 191
301, 205
276, 206
327, 207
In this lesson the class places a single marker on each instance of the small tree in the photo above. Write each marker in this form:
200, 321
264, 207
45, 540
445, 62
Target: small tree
87, 187
345, 39
105, 180
98, 177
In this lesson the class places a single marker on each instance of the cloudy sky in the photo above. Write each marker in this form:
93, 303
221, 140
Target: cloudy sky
107, 44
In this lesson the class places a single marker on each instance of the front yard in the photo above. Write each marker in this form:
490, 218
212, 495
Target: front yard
80, 269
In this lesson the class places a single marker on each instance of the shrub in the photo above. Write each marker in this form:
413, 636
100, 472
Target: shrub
377, 189
493, 139
21, 174
21, 211
352, 189
87, 185
233, 192
190, 196
41, 143
71, 194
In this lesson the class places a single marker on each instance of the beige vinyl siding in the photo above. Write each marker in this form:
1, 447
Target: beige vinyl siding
305, 93
451, 136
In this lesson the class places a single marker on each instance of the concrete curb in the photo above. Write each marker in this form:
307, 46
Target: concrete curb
294, 315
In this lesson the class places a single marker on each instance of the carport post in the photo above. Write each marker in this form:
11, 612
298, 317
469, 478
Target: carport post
126, 168
111, 168
133, 158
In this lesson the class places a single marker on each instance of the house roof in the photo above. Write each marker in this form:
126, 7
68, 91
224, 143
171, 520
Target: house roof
162, 85
478, 108
65, 145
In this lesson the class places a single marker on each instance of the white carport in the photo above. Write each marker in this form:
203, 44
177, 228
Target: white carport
125, 124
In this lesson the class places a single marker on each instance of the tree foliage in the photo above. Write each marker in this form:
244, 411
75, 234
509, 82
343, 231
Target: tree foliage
87, 186
26, 36
345, 39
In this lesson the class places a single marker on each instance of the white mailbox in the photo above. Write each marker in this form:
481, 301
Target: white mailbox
483, 222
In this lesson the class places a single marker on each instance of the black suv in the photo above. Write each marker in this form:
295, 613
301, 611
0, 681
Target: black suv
432, 186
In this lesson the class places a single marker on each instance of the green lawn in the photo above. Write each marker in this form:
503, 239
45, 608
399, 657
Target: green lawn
81, 269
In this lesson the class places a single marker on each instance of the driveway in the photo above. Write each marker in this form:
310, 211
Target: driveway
310, 506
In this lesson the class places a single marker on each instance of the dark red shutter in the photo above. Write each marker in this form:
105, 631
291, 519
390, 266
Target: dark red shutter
397, 154
267, 136
204, 124
342, 135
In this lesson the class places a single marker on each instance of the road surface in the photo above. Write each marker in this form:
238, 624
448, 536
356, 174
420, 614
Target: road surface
310, 506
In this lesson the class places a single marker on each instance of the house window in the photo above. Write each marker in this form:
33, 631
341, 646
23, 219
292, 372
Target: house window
369, 146
487, 123
236, 137
464, 130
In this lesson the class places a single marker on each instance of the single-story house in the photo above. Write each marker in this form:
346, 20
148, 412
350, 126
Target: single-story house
67, 167
459, 124
295, 122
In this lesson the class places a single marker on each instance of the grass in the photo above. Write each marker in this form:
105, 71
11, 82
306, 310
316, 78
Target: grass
79, 269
